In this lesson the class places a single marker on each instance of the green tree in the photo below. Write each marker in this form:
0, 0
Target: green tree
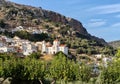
111, 73
85, 72
2, 23
63, 69
24, 70
118, 53
35, 55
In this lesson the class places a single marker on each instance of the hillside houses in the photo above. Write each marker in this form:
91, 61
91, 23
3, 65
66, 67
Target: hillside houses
31, 30
56, 47
17, 45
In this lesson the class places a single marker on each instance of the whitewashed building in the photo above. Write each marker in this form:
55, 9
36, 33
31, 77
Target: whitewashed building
28, 48
99, 56
19, 28
3, 49
52, 49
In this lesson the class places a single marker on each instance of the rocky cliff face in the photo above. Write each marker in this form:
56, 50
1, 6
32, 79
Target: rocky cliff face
76, 25
15, 10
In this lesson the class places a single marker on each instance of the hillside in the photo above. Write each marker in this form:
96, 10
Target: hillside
68, 30
115, 44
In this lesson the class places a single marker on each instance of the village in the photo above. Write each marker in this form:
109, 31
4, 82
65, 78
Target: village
23, 47
26, 47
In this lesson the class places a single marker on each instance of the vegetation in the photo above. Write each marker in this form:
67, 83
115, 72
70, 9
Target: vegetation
27, 36
31, 37
63, 69
111, 74
34, 70
86, 46
2, 23
35, 55
115, 44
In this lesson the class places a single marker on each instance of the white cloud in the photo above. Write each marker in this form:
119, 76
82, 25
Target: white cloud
116, 25
96, 23
106, 9
94, 20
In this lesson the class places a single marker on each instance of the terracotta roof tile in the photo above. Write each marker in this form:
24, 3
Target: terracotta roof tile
56, 40
62, 45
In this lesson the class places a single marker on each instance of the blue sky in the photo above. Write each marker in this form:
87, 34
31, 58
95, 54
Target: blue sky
101, 18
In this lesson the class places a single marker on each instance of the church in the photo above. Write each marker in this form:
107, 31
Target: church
53, 49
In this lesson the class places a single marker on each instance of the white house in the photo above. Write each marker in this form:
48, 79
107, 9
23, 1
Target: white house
20, 28
98, 56
52, 49
3, 49
36, 31
38, 45
10, 49
106, 60
28, 48
1, 44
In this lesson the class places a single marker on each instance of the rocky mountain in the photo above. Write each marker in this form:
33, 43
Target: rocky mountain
115, 44
57, 25
14, 12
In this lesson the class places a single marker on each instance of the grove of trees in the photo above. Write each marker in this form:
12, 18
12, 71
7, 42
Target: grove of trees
111, 74
32, 70
27, 35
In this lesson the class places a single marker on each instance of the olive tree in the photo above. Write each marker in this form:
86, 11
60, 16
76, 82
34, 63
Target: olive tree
24, 70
